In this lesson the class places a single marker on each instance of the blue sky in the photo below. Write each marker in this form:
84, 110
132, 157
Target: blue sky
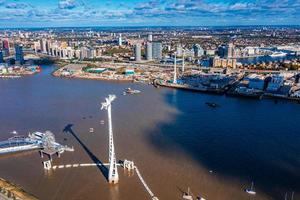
56, 13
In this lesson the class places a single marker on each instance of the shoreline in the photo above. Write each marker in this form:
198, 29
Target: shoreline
9, 190
156, 82
227, 93
57, 73
91, 78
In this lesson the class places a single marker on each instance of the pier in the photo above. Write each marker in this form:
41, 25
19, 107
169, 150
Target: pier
45, 142
18, 143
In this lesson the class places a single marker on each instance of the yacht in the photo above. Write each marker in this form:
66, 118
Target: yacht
278, 54
131, 91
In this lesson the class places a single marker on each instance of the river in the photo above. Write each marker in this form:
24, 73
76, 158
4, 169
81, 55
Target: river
174, 138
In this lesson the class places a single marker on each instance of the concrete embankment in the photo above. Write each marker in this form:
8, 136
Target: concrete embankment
196, 89
9, 191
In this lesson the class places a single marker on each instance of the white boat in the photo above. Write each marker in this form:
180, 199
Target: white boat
91, 130
251, 190
14, 132
187, 195
131, 91
278, 54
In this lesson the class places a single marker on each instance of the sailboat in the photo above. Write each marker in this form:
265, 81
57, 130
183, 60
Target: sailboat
187, 195
251, 190
286, 196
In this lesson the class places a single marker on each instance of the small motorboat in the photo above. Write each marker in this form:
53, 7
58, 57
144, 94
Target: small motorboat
251, 190
131, 91
187, 195
14, 132
102, 122
91, 130
212, 105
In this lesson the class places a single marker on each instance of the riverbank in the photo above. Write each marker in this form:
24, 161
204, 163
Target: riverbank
77, 71
187, 87
10, 191
229, 92
90, 76
18, 71
17, 75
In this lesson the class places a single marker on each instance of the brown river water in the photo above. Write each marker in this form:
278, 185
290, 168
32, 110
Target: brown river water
172, 136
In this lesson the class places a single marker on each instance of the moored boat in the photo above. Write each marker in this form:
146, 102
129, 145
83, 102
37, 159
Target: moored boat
131, 91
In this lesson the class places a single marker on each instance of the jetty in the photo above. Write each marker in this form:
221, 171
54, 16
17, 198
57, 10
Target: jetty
44, 142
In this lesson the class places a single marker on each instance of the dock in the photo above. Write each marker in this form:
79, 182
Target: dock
45, 142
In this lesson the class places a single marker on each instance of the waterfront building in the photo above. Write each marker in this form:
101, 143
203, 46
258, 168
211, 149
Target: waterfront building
120, 40
36, 46
149, 51
137, 52
226, 51
5, 45
210, 52
188, 53
53, 51
43, 45
70, 53
230, 50
1, 57
150, 38
63, 53
222, 51
85, 53
48, 46
157, 50
255, 81
223, 62
198, 50
275, 83
179, 50
19, 54
77, 53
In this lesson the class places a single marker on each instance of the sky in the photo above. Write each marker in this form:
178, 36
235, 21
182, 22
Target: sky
81, 13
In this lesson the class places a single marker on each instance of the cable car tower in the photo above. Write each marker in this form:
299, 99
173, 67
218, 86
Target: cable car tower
113, 176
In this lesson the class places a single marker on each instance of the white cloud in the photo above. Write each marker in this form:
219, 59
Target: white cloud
67, 4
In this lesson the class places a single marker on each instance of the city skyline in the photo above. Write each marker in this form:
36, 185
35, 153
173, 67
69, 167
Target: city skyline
81, 13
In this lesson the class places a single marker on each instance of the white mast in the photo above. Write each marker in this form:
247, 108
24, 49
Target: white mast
113, 176
183, 61
175, 73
